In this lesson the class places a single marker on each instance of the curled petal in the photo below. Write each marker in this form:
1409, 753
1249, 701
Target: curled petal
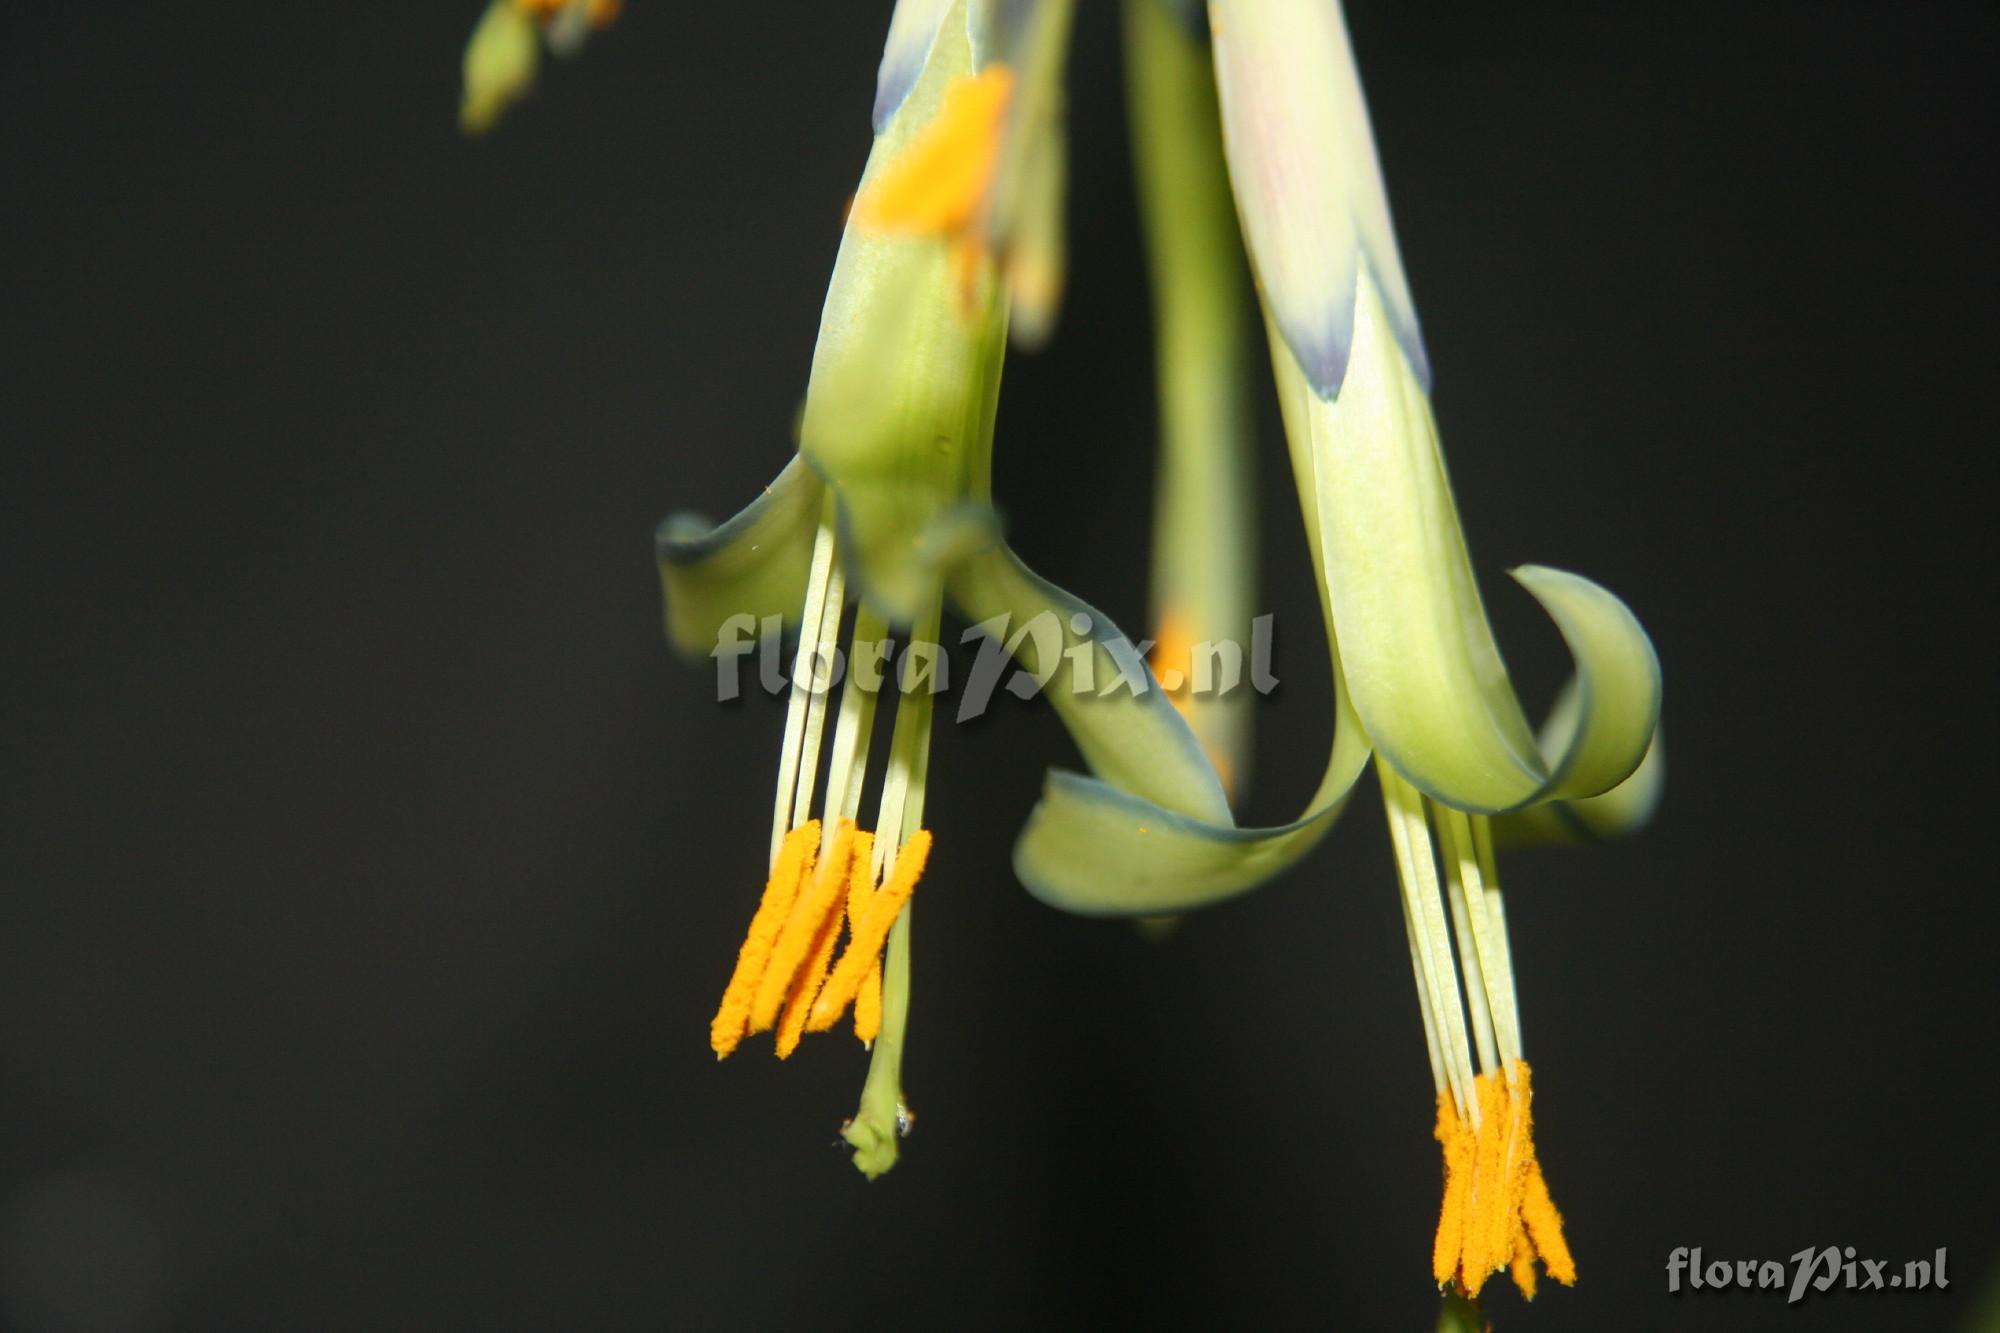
755, 563
1130, 736
1625, 809
1425, 674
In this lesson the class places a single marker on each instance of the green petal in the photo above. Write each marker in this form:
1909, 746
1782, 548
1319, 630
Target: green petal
1421, 663
1135, 741
1614, 707
754, 564
1091, 849
1095, 850
905, 378
1302, 159
1625, 809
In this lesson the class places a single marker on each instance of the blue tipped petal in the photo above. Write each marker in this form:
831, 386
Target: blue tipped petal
912, 29
1308, 188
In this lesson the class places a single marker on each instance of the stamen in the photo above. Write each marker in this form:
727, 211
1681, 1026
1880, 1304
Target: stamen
883, 1117
1538, 1210
1462, 898
864, 950
835, 869
1416, 865
793, 862
818, 690
1522, 1268
823, 897
796, 707
861, 888
1459, 1149
1496, 1214
1500, 971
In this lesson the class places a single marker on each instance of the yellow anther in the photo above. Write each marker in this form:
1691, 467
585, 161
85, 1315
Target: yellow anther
861, 888
1497, 1214
821, 897
1522, 1269
795, 858
1456, 1140
1545, 1228
798, 1001
937, 185
864, 947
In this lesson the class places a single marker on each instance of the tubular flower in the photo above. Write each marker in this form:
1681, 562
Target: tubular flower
888, 505
504, 53
1422, 696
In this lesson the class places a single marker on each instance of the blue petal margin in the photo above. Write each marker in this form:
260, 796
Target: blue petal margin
912, 31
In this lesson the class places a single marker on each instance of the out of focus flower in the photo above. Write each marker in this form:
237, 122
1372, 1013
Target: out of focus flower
504, 54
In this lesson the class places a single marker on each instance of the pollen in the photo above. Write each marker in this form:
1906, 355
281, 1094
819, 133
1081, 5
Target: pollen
793, 862
822, 896
1497, 1214
861, 888
939, 183
805, 985
871, 932
785, 977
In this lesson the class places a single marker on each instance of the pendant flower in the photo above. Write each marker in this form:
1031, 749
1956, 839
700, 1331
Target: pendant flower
888, 501
1253, 143
1422, 696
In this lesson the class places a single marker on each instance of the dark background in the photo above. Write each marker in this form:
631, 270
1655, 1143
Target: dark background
372, 869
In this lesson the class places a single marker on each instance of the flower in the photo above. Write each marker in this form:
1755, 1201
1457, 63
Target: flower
1422, 696
888, 500
504, 53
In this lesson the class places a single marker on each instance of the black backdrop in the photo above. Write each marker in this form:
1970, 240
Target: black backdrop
371, 868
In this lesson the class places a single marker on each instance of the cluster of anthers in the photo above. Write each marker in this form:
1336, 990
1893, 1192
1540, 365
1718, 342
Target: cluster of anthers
825, 871
1497, 1213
